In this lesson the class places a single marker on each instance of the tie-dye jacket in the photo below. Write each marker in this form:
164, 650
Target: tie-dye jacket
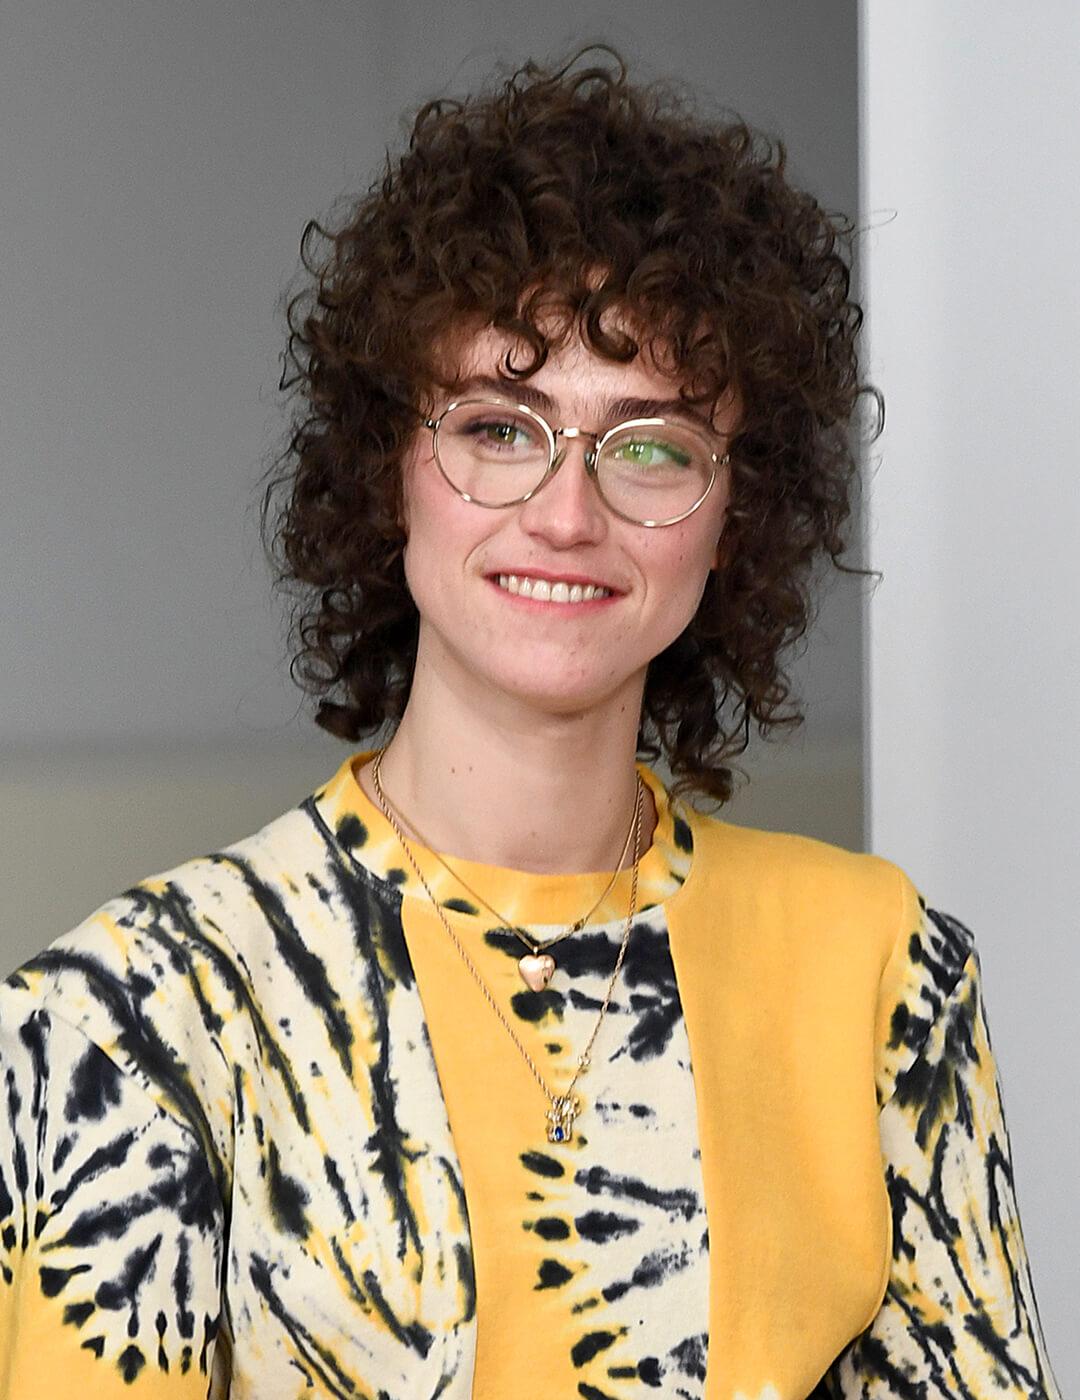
262, 1134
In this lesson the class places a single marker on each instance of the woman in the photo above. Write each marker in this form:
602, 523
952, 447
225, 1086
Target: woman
494, 1068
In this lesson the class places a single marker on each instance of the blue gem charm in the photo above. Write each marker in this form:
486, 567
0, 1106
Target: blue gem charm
561, 1116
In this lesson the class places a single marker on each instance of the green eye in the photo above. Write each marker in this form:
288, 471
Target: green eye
502, 434
652, 452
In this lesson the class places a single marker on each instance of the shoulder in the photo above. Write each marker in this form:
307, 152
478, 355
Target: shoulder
205, 914
816, 914
158, 977
934, 963
799, 882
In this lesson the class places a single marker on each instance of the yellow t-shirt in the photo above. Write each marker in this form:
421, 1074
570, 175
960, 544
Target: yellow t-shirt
265, 1136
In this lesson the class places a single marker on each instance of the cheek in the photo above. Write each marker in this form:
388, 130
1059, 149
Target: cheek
420, 517
427, 502
679, 573
442, 531
680, 568
415, 484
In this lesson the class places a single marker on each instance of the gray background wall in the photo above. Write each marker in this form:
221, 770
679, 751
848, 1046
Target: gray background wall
158, 163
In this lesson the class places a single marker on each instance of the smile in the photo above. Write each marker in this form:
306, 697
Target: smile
545, 591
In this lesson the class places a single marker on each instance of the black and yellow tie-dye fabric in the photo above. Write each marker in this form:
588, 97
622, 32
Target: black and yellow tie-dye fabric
262, 1136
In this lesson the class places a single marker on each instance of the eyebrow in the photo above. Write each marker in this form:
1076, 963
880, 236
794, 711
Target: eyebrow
613, 410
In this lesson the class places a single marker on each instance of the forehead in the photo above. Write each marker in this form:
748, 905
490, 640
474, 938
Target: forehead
575, 384
574, 375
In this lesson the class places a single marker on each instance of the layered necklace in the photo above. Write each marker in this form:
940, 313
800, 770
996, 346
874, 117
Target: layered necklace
564, 1107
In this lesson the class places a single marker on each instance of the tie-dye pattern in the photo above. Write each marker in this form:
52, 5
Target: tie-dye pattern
959, 1316
261, 1136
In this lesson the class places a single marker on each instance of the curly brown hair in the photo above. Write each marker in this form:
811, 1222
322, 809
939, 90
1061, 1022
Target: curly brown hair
536, 208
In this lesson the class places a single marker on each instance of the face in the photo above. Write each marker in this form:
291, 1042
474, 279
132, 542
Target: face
557, 657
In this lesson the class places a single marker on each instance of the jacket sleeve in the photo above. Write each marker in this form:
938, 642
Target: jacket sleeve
958, 1318
111, 1225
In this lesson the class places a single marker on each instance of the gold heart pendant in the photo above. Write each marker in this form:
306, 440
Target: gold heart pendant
536, 970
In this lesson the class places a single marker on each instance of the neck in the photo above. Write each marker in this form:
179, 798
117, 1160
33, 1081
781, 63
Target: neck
503, 784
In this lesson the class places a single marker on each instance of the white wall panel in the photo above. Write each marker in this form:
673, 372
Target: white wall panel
970, 132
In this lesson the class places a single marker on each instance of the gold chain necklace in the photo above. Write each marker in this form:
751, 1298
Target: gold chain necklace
537, 966
565, 1107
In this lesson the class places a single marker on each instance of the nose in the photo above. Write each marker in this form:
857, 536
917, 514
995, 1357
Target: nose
567, 510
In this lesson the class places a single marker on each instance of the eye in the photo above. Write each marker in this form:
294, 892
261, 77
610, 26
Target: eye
651, 452
505, 433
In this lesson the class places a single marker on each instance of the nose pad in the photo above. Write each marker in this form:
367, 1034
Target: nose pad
588, 455
585, 518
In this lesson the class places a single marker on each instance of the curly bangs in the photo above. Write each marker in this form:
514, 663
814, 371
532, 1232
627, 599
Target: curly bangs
537, 209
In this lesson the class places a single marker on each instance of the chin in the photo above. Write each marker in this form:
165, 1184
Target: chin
569, 696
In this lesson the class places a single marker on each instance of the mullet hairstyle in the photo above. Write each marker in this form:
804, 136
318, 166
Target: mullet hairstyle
563, 201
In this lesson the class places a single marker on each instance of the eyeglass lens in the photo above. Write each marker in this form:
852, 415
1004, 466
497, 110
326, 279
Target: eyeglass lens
497, 454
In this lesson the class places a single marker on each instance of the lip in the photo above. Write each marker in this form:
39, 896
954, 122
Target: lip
585, 580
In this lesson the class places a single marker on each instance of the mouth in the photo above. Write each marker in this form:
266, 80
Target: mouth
569, 591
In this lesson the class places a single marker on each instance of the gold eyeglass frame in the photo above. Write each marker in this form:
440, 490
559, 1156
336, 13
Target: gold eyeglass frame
557, 457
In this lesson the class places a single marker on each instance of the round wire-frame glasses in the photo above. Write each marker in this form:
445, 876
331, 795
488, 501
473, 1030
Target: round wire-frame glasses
557, 457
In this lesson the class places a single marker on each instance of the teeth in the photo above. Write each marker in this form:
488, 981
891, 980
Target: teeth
546, 592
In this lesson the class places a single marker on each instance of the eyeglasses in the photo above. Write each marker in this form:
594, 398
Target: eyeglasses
648, 471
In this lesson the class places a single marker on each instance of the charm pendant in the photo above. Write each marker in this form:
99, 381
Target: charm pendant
536, 970
560, 1118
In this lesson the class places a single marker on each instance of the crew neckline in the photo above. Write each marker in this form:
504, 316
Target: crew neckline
522, 896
